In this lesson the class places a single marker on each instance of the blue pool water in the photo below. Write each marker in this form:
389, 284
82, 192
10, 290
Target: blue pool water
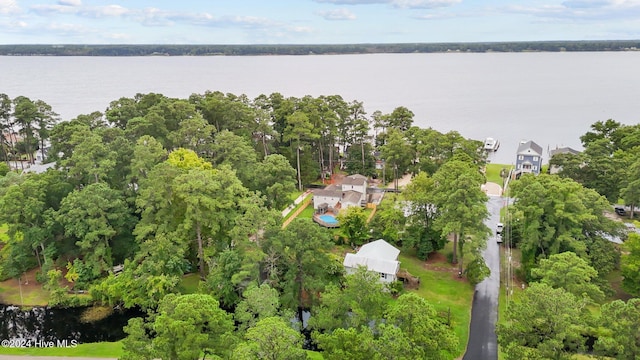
329, 219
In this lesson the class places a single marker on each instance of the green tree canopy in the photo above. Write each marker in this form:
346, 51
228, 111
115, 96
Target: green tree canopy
570, 272
555, 215
185, 328
545, 322
360, 301
621, 338
353, 225
630, 265
271, 338
95, 216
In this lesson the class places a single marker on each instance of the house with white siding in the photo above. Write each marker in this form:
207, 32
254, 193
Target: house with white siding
378, 256
352, 192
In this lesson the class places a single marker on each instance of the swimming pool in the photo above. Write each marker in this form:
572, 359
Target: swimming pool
329, 219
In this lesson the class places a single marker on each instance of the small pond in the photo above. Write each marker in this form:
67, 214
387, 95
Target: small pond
47, 324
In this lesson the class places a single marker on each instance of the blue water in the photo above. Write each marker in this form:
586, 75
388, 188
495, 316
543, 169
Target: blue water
329, 219
550, 98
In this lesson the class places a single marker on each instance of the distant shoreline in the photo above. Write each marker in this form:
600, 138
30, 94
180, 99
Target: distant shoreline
315, 49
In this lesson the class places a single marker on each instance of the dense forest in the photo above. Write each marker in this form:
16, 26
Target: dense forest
315, 49
167, 187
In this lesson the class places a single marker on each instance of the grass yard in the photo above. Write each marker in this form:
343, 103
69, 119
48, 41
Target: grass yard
310, 196
307, 213
189, 283
3, 233
26, 293
293, 196
314, 355
492, 172
615, 280
445, 292
100, 350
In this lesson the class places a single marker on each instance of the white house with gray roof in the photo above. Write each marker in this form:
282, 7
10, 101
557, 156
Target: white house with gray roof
378, 256
352, 192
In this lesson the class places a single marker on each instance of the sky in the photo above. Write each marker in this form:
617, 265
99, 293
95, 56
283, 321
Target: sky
314, 21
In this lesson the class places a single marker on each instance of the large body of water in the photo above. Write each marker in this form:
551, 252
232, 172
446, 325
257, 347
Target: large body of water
550, 98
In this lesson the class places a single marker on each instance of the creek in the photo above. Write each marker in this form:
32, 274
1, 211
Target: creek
43, 324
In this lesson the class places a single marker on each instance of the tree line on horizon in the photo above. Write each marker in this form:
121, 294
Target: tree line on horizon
313, 49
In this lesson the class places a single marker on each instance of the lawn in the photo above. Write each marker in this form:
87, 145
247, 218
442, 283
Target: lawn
302, 203
307, 213
294, 195
3, 233
189, 283
492, 172
98, 350
23, 294
445, 292
615, 280
102, 349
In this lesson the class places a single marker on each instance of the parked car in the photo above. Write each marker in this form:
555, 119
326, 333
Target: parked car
499, 228
620, 211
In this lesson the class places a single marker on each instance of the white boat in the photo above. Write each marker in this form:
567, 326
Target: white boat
491, 144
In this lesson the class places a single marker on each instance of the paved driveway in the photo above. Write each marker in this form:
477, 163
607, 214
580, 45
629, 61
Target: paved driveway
483, 343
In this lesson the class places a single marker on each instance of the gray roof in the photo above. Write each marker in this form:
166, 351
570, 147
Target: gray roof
331, 191
378, 256
40, 168
529, 148
563, 150
356, 179
379, 249
351, 196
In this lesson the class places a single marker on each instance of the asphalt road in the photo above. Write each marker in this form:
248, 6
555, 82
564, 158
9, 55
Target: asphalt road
483, 343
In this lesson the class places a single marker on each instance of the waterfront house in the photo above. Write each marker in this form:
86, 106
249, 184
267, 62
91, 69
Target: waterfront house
554, 169
528, 158
378, 256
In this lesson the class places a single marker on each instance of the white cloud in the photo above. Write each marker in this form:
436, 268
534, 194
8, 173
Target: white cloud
405, 4
583, 10
337, 14
9, 7
599, 4
62, 27
70, 2
45, 10
424, 4
104, 11
117, 36
354, 2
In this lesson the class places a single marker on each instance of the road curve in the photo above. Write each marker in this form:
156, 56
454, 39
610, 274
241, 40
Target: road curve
483, 343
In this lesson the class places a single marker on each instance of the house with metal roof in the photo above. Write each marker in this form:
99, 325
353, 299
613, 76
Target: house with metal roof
378, 256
